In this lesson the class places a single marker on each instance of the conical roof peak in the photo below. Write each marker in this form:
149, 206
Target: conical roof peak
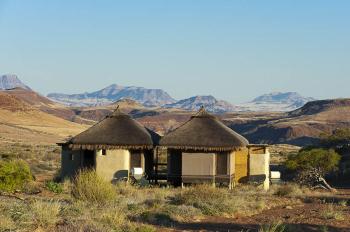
202, 113
203, 132
117, 113
116, 131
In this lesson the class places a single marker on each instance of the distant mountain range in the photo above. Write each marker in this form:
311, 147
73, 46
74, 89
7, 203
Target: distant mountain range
112, 93
210, 103
10, 81
302, 126
277, 102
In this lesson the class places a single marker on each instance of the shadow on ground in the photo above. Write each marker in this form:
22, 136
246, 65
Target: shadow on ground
231, 227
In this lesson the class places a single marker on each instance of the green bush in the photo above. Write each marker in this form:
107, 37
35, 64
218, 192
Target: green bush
54, 187
14, 174
88, 186
320, 159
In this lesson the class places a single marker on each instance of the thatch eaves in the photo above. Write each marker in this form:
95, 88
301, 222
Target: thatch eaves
116, 131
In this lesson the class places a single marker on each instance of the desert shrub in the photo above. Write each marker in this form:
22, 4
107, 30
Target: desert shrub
275, 227
114, 219
153, 202
90, 187
343, 203
31, 187
143, 228
54, 187
6, 223
29, 216
45, 214
211, 201
14, 174
322, 159
312, 164
74, 209
288, 190
157, 218
182, 212
331, 212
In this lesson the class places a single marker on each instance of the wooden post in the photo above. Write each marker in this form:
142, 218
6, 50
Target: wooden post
214, 169
229, 170
156, 167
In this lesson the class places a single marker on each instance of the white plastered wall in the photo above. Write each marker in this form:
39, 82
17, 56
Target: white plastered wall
114, 165
259, 164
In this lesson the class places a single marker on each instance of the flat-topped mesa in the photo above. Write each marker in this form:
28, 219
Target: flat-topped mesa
319, 106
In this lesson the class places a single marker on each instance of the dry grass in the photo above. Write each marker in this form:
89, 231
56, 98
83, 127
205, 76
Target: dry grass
128, 208
45, 214
221, 202
43, 159
331, 212
291, 190
41, 123
90, 187
139, 208
275, 227
6, 223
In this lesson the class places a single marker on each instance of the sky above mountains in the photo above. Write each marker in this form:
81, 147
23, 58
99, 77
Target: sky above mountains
234, 50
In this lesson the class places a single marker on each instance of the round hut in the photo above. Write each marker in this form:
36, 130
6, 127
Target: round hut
113, 147
204, 150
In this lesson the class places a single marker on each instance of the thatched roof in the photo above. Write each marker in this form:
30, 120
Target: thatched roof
204, 132
116, 131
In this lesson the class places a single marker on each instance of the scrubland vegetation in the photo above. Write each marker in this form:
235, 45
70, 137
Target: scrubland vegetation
88, 203
31, 199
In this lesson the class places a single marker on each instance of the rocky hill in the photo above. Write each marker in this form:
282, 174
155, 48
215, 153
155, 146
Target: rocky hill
12, 103
97, 113
21, 121
112, 93
210, 103
300, 127
276, 102
10, 81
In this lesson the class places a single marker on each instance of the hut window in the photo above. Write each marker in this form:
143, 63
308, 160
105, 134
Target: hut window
104, 152
71, 156
135, 159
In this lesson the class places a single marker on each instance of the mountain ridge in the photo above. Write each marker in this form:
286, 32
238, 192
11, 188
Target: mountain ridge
210, 103
276, 102
11, 81
271, 102
113, 93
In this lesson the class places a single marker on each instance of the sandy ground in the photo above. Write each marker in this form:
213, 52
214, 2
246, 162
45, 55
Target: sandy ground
304, 218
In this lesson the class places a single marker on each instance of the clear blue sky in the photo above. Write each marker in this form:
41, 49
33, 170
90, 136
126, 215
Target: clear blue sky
234, 50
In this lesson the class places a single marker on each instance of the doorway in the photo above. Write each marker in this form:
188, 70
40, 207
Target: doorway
89, 159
